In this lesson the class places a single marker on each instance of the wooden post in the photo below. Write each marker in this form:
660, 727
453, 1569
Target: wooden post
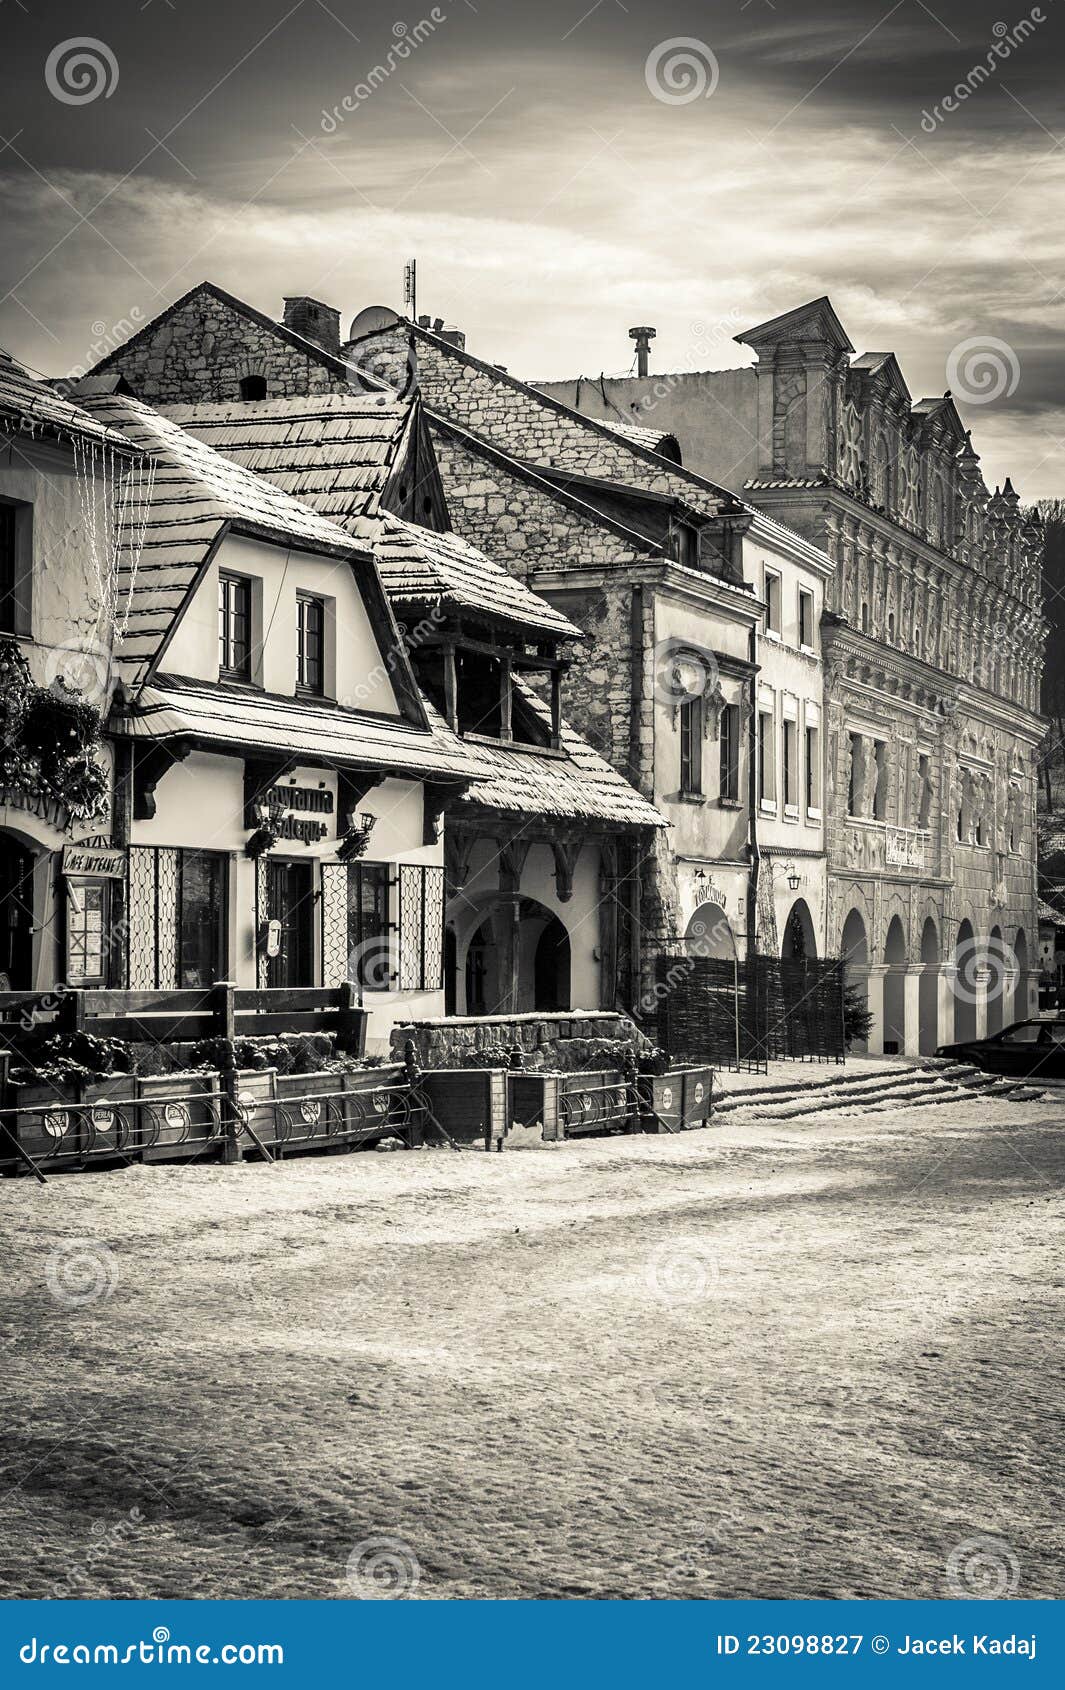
224, 994
506, 716
72, 1012
608, 925
351, 1021
118, 890
556, 708
450, 686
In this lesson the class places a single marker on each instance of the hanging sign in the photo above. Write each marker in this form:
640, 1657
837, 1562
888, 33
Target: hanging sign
104, 862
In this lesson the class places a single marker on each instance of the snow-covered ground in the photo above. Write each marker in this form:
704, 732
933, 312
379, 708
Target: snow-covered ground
812, 1359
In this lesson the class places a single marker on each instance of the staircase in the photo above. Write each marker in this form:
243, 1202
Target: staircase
869, 1089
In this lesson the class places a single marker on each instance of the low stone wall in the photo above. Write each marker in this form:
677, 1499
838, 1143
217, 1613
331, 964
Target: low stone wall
560, 1042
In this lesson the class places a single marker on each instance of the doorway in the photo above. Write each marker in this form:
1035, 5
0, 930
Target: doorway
16, 915
290, 900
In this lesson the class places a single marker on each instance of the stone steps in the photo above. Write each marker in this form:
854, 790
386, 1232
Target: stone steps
874, 1091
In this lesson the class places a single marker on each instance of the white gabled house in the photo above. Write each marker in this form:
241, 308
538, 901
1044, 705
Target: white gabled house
278, 774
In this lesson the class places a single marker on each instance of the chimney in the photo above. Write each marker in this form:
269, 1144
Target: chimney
454, 336
643, 339
314, 321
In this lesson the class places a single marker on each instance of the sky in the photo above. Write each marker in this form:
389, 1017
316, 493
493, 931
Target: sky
561, 171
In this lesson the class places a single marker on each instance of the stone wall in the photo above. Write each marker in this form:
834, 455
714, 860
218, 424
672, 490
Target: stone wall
513, 417
204, 348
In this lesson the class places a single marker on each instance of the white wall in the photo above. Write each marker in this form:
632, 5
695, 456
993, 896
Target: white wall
356, 673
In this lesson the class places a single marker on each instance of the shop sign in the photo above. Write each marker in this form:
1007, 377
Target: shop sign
103, 862
303, 804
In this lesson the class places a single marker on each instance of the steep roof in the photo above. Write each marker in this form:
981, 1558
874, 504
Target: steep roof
333, 451
195, 496
36, 408
336, 453
174, 707
581, 786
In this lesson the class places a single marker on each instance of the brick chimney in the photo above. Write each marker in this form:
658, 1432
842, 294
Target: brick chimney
314, 321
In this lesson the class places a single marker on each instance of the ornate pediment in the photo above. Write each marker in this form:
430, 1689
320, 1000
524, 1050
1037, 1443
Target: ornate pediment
813, 323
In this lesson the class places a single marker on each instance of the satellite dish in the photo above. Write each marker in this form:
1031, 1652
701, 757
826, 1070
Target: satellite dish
370, 319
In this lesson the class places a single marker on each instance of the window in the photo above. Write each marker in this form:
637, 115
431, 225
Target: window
684, 543
813, 768
767, 774
310, 662
691, 746
253, 387
202, 899
370, 962
791, 768
16, 556
772, 602
86, 948
729, 746
891, 627
865, 618
1026, 1034
234, 627
806, 619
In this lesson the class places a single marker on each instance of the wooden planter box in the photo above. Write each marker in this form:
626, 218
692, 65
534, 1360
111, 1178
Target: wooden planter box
180, 1116
109, 1119
533, 1101
256, 1094
677, 1101
378, 1103
310, 1110
596, 1101
50, 1125
470, 1104
567, 1105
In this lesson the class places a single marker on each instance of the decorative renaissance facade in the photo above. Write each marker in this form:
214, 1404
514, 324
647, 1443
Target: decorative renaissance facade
933, 638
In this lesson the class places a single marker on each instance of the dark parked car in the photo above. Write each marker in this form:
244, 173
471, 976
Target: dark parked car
1028, 1047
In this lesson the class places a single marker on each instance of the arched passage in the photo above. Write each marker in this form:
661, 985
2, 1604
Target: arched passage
709, 933
965, 972
999, 980
854, 951
895, 989
542, 947
1019, 1008
799, 942
928, 996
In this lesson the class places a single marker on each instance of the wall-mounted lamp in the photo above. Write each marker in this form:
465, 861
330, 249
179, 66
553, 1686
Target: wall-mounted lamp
356, 837
271, 814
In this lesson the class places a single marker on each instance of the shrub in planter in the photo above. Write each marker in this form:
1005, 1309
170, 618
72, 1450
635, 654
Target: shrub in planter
66, 1058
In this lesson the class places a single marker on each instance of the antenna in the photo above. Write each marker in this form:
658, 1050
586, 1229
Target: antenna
410, 285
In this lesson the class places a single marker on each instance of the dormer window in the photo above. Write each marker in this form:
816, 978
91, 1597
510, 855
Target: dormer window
684, 543
234, 627
310, 643
253, 387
